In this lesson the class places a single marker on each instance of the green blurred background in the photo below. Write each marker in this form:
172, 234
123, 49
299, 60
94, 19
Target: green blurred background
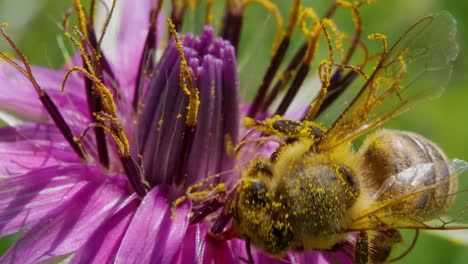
35, 26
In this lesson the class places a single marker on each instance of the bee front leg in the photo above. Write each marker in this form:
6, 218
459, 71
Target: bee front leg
362, 254
376, 246
383, 243
249, 251
286, 128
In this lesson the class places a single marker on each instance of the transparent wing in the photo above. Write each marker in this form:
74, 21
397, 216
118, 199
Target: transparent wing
417, 68
412, 199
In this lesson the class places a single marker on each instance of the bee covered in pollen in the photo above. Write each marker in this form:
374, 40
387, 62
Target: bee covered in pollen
315, 191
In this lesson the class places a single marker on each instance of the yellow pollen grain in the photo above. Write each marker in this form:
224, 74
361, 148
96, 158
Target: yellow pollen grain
192, 3
81, 16
338, 35
345, 4
212, 92
83, 52
228, 145
380, 37
208, 13
8, 55
175, 204
293, 15
186, 80
401, 61
309, 13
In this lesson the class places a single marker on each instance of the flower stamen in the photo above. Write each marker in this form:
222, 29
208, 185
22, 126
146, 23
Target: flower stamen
382, 38
338, 81
276, 60
105, 25
208, 14
178, 13
232, 22
92, 58
80, 12
293, 69
43, 96
325, 69
147, 61
187, 83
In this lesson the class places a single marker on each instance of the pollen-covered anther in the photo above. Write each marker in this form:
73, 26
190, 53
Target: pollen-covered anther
196, 79
45, 99
187, 81
306, 14
381, 37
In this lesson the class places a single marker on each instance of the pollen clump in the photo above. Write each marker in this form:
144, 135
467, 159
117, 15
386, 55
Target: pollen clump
187, 83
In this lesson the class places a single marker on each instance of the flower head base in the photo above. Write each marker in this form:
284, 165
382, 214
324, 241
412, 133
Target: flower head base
138, 151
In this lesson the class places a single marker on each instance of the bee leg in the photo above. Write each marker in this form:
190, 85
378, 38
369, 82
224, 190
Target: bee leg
208, 207
221, 222
382, 244
362, 255
376, 246
345, 248
249, 251
286, 128
249, 259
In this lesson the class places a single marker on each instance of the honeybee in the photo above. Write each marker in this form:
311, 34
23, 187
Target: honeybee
315, 191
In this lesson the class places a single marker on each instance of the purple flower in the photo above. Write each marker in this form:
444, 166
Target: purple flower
97, 173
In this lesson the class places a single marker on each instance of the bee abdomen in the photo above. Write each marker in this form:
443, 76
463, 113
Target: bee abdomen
405, 164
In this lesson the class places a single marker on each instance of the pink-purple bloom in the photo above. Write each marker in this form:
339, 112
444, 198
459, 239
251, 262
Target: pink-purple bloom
94, 198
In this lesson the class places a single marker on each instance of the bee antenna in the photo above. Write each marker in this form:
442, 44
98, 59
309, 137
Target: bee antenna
415, 238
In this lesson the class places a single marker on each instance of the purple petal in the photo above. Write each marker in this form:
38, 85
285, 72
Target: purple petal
19, 97
259, 257
312, 257
30, 131
67, 227
320, 257
26, 198
132, 32
153, 236
33, 146
309, 257
198, 248
103, 244
173, 152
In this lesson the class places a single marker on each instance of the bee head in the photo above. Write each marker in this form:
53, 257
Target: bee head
261, 216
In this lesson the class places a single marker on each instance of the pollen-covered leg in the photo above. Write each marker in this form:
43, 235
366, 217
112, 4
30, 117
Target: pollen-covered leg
362, 248
376, 246
286, 128
382, 243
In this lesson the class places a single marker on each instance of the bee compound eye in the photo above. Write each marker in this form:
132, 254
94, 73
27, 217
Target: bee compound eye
347, 175
352, 187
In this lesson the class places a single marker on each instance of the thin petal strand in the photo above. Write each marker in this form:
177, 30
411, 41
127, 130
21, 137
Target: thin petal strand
153, 236
203, 250
27, 198
25, 102
65, 229
103, 244
33, 146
